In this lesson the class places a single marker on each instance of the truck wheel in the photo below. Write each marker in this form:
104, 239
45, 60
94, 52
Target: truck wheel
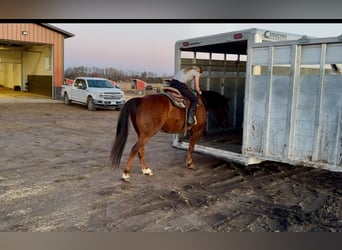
66, 99
91, 104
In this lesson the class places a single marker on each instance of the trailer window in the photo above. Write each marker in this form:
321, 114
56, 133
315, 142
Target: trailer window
201, 55
259, 70
232, 57
187, 54
281, 69
243, 58
309, 69
332, 69
219, 57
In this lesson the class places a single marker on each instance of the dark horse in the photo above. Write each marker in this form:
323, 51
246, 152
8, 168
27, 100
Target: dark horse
218, 104
149, 115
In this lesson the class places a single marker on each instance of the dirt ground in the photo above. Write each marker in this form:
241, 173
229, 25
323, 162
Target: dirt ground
55, 177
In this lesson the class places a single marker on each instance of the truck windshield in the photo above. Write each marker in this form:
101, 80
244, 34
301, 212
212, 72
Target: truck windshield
99, 84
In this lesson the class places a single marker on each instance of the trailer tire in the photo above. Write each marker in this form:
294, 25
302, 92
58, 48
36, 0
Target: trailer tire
91, 104
66, 99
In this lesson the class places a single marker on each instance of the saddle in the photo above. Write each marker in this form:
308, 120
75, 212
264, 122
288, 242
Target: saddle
176, 97
179, 101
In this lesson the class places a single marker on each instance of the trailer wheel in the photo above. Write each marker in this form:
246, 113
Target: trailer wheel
91, 104
66, 99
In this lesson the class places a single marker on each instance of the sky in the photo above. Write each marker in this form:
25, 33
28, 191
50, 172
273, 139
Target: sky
149, 47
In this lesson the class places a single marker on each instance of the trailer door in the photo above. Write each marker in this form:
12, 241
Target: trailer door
294, 102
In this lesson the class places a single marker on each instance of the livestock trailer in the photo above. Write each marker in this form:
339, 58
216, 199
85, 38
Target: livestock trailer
285, 94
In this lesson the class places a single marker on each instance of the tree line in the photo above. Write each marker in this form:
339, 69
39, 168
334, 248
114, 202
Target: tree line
113, 74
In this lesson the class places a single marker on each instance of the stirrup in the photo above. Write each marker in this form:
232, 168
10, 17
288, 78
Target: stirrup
194, 123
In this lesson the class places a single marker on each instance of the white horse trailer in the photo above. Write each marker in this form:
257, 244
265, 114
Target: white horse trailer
285, 97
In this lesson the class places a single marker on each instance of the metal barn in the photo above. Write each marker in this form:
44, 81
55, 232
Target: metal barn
32, 57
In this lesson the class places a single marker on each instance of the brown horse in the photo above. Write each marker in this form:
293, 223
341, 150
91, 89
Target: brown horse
149, 115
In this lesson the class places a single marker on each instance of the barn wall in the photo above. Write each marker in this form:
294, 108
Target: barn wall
34, 61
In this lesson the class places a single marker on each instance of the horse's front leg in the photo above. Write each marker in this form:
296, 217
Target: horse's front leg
189, 162
196, 133
144, 168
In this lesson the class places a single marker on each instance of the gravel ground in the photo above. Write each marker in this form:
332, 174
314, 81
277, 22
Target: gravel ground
55, 177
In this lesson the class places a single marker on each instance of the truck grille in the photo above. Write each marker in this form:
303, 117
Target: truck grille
112, 96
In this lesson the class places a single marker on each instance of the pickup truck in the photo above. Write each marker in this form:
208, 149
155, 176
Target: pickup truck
94, 92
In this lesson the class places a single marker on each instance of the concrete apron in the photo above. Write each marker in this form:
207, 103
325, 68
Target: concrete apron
10, 96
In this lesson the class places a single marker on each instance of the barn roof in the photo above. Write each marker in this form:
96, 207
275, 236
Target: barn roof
49, 26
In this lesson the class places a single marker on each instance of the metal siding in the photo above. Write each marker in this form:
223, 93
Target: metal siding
257, 113
334, 53
311, 54
304, 115
282, 55
331, 120
278, 116
58, 62
260, 56
37, 33
305, 118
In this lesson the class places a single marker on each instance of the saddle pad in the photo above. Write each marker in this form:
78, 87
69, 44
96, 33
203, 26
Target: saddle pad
175, 92
177, 99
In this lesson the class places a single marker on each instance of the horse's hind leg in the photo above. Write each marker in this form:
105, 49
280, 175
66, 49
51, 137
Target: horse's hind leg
139, 149
144, 168
134, 151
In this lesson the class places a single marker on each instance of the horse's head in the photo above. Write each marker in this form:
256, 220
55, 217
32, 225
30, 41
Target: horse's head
219, 105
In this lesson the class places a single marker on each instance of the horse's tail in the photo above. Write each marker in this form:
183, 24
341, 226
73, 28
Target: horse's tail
122, 131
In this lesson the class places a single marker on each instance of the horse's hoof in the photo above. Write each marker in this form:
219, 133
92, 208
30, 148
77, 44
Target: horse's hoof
191, 167
125, 177
147, 171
